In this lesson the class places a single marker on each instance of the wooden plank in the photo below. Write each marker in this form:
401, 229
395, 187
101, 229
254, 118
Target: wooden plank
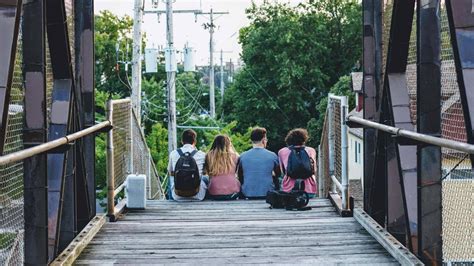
80, 242
237, 232
243, 259
395, 248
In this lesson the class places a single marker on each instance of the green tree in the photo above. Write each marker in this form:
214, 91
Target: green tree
157, 141
292, 56
342, 88
110, 31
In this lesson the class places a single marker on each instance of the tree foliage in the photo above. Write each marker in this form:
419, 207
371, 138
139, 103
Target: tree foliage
110, 31
292, 56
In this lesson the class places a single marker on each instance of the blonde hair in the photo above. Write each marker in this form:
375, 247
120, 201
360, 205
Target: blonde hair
221, 158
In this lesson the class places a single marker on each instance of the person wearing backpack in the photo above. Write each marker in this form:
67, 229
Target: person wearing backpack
185, 168
298, 162
220, 165
259, 168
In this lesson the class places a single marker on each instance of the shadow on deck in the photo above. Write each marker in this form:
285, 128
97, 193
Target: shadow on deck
236, 232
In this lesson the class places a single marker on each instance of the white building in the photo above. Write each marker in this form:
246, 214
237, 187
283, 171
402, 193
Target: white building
356, 151
356, 135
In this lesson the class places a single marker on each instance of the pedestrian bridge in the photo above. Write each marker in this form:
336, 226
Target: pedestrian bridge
414, 207
234, 232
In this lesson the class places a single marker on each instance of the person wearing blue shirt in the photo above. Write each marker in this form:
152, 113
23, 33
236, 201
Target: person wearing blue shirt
258, 168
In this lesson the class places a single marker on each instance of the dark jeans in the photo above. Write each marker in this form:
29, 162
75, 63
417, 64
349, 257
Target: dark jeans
223, 197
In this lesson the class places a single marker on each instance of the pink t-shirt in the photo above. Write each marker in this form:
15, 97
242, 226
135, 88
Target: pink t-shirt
288, 183
225, 184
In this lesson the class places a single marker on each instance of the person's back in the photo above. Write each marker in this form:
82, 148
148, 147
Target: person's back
258, 167
188, 148
297, 138
221, 164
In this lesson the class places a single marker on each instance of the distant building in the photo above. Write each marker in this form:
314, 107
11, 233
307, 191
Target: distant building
356, 135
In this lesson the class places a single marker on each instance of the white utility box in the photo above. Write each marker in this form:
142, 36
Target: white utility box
136, 191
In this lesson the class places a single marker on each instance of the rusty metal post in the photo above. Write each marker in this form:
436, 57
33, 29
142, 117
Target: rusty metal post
429, 122
35, 133
110, 163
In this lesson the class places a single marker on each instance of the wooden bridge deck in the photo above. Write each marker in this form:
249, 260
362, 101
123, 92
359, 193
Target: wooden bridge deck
236, 232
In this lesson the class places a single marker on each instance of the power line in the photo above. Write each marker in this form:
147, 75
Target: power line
269, 96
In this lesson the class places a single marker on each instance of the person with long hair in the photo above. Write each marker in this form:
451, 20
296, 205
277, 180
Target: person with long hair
221, 165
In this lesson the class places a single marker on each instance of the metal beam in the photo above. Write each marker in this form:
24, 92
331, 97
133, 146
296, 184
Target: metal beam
60, 121
10, 12
35, 132
402, 207
84, 83
372, 64
429, 122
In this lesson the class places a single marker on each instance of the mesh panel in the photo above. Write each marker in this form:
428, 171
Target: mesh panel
49, 81
131, 142
336, 116
457, 194
69, 5
457, 220
142, 161
11, 175
386, 20
121, 135
323, 166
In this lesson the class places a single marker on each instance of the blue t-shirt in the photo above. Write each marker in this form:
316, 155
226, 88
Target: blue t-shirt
257, 165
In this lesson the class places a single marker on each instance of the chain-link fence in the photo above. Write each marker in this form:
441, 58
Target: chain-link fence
131, 154
143, 162
121, 121
11, 175
458, 182
332, 160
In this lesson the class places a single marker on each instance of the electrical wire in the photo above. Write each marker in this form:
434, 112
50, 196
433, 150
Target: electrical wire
269, 96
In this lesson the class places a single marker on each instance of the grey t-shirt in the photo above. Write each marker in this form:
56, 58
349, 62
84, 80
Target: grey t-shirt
257, 165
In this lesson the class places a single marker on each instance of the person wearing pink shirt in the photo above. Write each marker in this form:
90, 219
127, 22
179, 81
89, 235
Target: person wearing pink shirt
297, 138
221, 165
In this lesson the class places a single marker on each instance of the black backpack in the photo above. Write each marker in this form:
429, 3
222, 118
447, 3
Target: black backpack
187, 180
296, 199
300, 165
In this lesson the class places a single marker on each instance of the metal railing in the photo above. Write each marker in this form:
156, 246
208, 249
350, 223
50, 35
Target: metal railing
333, 152
12, 242
127, 153
457, 189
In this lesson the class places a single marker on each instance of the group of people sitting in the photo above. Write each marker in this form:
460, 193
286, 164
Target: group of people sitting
222, 174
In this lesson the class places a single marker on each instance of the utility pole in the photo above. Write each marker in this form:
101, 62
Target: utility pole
171, 80
211, 26
222, 76
212, 98
136, 58
222, 73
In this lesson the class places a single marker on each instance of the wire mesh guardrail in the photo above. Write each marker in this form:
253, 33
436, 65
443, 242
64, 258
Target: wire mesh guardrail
457, 168
121, 120
128, 153
333, 177
11, 175
143, 162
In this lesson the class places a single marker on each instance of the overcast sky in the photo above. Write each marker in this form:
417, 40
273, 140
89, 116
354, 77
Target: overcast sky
185, 27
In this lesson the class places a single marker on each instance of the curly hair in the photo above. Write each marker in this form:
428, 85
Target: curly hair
297, 137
